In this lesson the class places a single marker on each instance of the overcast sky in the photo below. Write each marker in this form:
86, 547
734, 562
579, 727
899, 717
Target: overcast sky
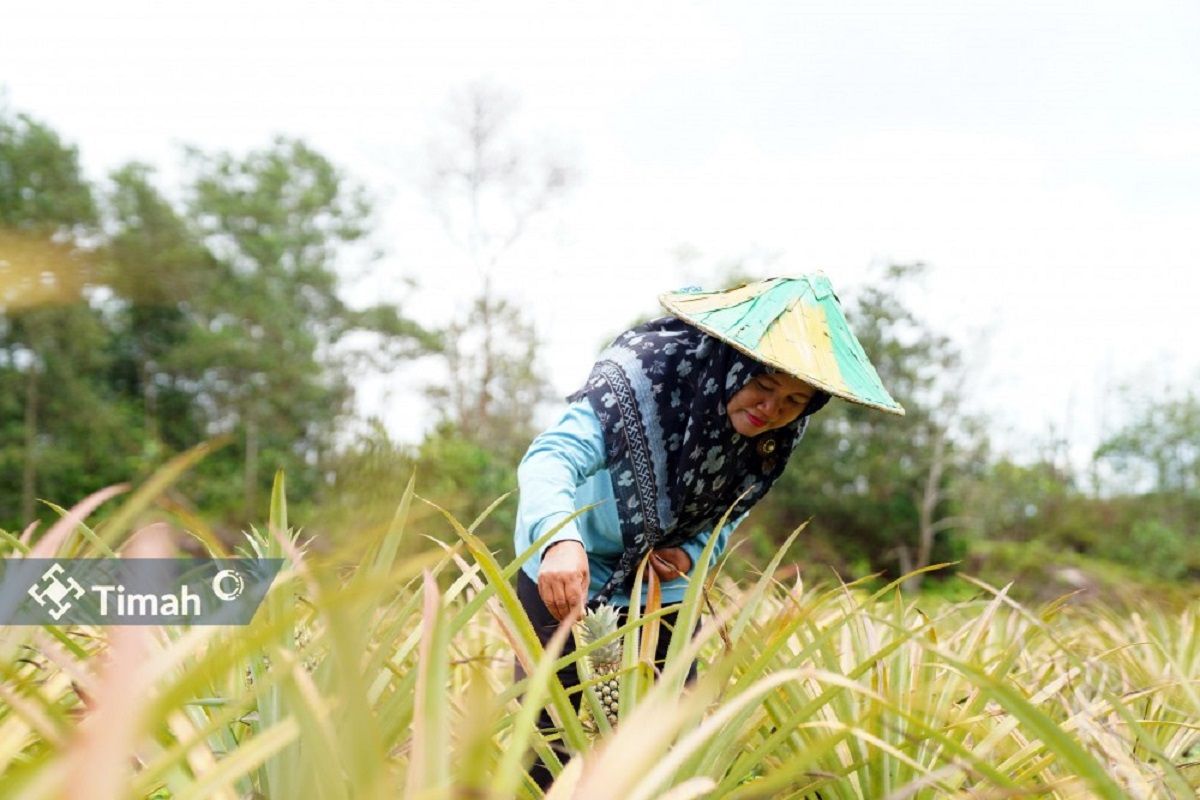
1042, 157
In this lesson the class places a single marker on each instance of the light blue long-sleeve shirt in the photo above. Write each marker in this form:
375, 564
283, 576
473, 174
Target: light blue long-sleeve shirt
565, 470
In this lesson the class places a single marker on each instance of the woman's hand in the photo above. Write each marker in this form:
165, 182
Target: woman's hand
563, 578
670, 563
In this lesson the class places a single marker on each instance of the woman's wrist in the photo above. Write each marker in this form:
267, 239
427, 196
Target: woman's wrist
553, 545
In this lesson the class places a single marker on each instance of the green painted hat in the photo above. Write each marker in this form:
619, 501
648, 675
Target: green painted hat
793, 324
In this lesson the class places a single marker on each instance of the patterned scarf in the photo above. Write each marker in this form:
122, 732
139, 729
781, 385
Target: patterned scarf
676, 462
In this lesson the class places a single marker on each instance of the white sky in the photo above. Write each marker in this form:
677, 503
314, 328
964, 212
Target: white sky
1042, 157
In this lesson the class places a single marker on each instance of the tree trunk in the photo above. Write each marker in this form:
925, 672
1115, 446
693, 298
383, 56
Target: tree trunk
483, 412
150, 405
906, 564
926, 526
250, 476
29, 473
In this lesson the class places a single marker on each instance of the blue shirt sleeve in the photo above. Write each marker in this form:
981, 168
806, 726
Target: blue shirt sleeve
558, 460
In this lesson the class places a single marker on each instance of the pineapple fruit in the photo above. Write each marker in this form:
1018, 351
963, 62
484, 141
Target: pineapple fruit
603, 663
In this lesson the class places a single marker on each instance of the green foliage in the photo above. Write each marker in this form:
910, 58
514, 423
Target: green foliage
157, 267
1054, 524
1155, 456
85, 434
261, 350
455, 473
1158, 549
464, 474
1010, 500
41, 184
1159, 448
177, 324
66, 431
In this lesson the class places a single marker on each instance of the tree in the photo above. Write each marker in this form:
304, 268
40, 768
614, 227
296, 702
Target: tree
135, 328
1157, 455
495, 384
42, 188
488, 189
72, 430
271, 357
1159, 448
157, 268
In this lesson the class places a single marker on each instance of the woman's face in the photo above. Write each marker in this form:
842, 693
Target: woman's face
767, 402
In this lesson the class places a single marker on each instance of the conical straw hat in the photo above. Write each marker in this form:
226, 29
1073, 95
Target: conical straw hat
793, 324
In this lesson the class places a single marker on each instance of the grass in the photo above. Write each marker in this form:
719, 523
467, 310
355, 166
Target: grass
392, 677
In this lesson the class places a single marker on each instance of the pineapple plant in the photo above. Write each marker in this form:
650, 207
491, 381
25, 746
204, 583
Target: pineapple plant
604, 663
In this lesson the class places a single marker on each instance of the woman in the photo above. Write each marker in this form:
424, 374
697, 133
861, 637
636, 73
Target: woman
682, 419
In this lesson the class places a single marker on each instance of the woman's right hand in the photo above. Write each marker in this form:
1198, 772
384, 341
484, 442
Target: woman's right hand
563, 578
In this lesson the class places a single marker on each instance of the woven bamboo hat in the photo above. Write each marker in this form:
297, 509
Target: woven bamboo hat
793, 324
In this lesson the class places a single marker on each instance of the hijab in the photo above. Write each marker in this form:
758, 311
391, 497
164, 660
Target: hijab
677, 465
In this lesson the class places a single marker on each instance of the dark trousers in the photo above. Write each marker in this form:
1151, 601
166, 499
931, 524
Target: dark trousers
545, 624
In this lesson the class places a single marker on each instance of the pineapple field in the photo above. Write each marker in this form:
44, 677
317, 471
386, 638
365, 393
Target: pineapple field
393, 677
